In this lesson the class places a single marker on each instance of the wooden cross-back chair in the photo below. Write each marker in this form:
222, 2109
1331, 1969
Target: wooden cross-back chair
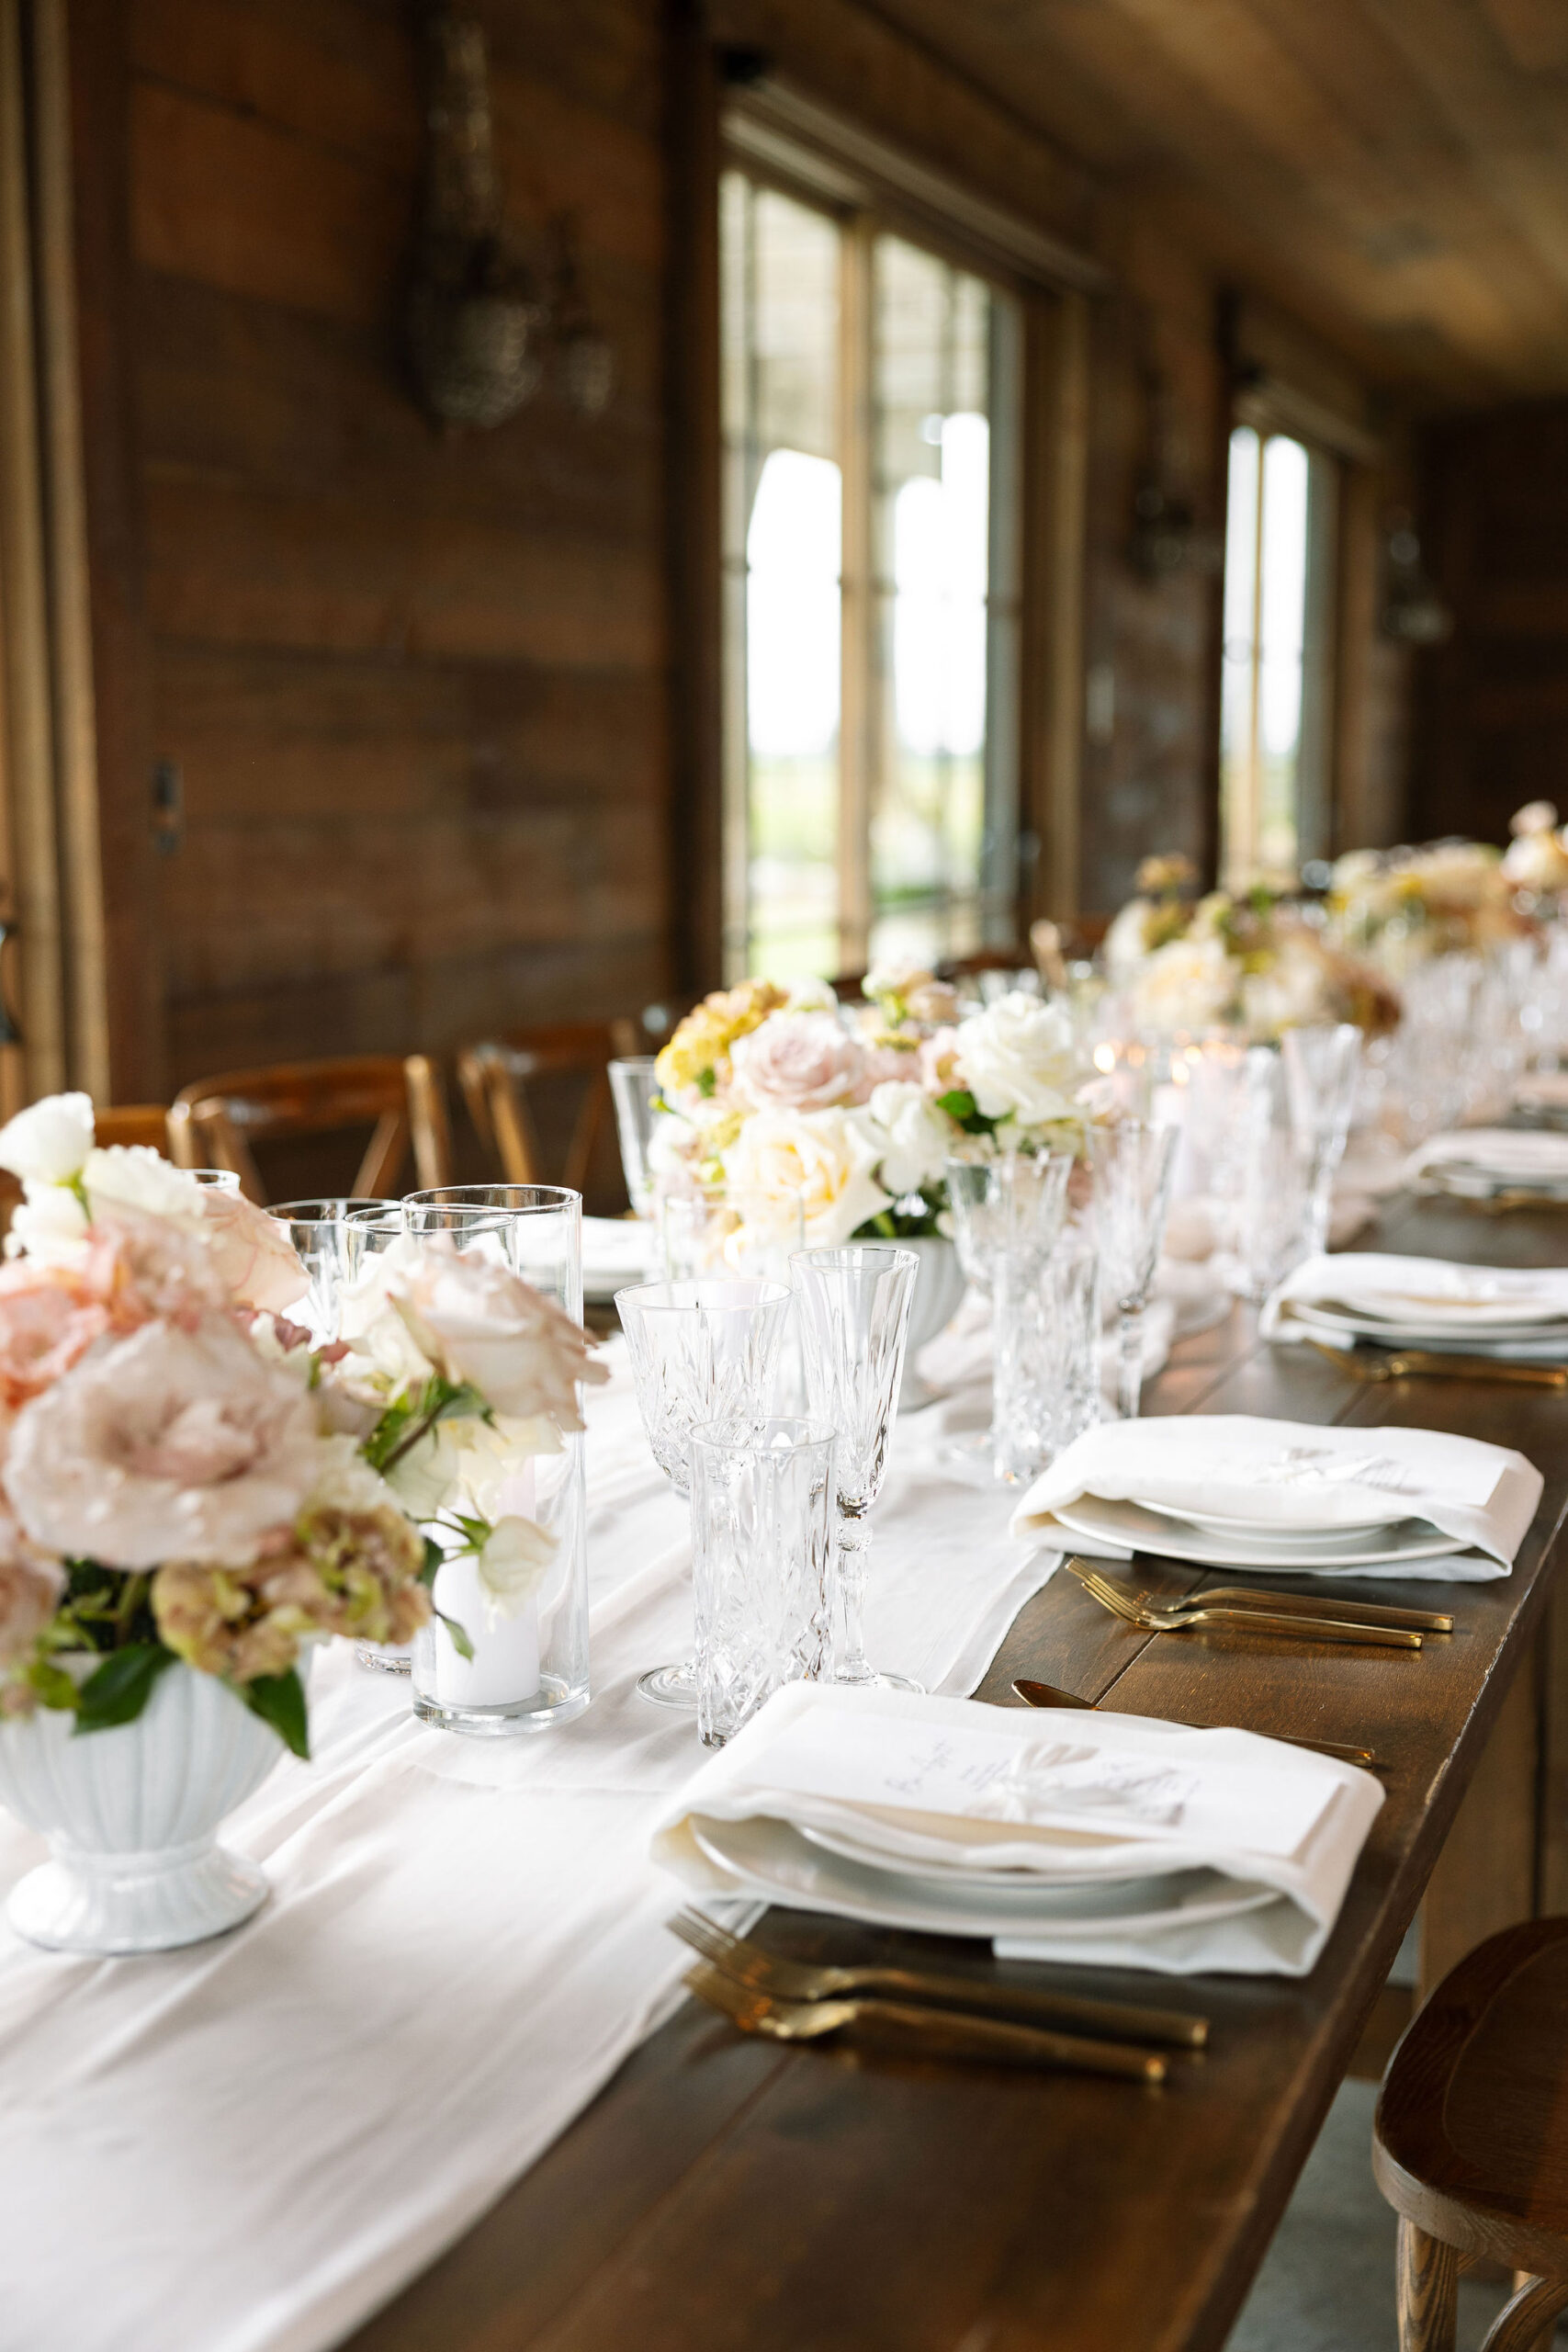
143, 1123
495, 1075
1471, 2142
216, 1122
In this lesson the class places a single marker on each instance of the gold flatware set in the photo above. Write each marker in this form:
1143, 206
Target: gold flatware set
1416, 1363
942, 2017
1239, 1610
1046, 1694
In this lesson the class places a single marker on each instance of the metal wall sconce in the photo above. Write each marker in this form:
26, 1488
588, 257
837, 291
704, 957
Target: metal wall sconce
1166, 537
484, 328
1413, 610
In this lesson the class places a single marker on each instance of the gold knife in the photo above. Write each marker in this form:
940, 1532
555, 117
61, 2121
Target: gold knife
1402, 1364
1046, 1694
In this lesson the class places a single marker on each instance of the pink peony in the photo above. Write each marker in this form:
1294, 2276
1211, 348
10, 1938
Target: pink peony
171, 1444
50, 1317
257, 1264
482, 1324
142, 1265
799, 1061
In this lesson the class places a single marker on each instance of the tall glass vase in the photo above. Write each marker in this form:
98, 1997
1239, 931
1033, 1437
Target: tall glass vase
529, 1668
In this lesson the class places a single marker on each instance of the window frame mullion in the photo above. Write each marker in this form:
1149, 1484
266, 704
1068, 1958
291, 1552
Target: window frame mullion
858, 708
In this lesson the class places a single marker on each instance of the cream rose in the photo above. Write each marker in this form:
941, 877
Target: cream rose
799, 1061
1018, 1060
828, 1158
1191, 984
171, 1444
916, 1136
480, 1323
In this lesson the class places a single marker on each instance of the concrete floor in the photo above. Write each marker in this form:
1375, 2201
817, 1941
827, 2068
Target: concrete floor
1327, 2284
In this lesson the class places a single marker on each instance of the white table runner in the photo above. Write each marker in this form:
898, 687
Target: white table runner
249, 2146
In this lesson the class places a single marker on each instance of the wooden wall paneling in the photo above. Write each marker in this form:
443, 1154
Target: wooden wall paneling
98, 66
695, 488
26, 746
1056, 476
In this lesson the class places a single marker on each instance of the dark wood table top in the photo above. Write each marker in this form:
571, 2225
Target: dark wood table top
728, 2195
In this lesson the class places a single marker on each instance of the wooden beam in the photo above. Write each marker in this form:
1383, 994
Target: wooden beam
1055, 478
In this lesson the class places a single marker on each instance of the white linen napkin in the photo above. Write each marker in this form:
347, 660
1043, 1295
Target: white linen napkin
1516, 1155
921, 1777
1425, 1302
1296, 1475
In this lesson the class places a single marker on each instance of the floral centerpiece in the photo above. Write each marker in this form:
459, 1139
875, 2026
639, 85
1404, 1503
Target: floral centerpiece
1535, 860
1401, 906
185, 1476
774, 1093
1251, 963
185, 1481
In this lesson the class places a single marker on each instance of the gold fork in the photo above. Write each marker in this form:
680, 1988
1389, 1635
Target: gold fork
1286, 1604
765, 1972
1416, 1363
1151, 1620
919, 2033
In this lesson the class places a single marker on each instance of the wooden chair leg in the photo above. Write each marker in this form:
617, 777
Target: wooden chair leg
1526, 2323
1427, 2281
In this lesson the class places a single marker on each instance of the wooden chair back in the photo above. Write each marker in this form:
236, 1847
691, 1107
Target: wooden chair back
1470, 2145
495, 1075
146, 1124
216, 1122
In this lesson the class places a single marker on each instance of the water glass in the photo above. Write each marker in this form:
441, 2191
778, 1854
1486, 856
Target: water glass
1323, 1064
1046, 1354
854, 1305
1133, 1163
318, 1230
1000, 1204
704, 1355
634, 1089
761, 1566
515, 1223
732, 1231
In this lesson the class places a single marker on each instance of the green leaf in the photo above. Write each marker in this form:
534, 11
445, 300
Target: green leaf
117, 1691
460, 1641
280, 1700
958, 1103
706, 1081
54, 1688
434, 1556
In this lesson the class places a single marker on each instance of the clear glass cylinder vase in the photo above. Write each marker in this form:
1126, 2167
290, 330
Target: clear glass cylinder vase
529, 1668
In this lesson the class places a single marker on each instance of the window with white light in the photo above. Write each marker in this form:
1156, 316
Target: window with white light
1276, 687
870, 394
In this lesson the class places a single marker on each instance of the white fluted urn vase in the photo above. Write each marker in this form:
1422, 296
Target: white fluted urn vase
131, 1816
939, 1289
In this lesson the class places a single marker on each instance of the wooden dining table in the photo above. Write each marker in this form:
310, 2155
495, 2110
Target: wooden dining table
723, 2194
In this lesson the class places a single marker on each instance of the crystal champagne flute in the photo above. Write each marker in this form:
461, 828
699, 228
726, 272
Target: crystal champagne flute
1132, 1162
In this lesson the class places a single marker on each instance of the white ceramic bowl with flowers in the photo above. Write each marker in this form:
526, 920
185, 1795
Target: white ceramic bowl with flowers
192, 1496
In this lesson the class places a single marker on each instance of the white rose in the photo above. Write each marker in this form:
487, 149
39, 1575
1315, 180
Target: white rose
50, 1225
1191, 984
1537, 861
1295, 991
1535, 817
810, 996
1127, 941
828, 1158
511, 1563
917, 1137
134, 1176
47, 1143
1018, 1060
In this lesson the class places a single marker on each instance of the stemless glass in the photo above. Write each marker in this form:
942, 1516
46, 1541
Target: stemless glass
761, 1566
704, 1354
319, 1231
225, 1180
855, 1305
1046, 1382
634, 1090
1133, 1163
529, 1670
1323, 1064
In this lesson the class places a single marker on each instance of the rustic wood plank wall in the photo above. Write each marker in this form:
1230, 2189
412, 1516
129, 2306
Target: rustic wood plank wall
414, 685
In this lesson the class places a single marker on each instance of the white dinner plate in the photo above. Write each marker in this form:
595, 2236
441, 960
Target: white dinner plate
1140, 1530
972, 1876
774, 1857
1266, 1531
1430, 1330
615, 1253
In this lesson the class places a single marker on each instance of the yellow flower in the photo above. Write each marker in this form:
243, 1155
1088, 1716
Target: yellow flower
701, 1044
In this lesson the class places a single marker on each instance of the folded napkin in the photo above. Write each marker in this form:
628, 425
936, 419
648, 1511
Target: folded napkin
1512, 1155
931, 1782
1425, 1302
1295, 1475
620, 1250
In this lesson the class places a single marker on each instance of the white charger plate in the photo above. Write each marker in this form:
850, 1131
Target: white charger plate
970, 1875
1265, 1531
1137, 1530
772, 1855
1432, 1328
